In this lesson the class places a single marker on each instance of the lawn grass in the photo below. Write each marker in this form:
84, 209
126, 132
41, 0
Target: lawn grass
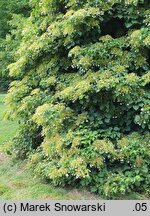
17, 183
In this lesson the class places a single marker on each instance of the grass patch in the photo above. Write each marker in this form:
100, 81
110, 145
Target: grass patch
18, 184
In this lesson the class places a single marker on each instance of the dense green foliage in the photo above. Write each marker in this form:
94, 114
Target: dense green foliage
11, 21
81, 91
16, 181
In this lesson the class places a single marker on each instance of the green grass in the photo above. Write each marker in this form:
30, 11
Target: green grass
17, 183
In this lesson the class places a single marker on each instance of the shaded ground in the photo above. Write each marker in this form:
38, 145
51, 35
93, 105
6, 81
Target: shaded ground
2, 158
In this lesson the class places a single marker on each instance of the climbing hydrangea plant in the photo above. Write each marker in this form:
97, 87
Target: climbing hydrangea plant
81, 91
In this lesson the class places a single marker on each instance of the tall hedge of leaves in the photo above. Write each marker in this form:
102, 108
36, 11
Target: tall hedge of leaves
82, 94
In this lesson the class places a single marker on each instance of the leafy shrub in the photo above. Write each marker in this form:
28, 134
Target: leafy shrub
81, 91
